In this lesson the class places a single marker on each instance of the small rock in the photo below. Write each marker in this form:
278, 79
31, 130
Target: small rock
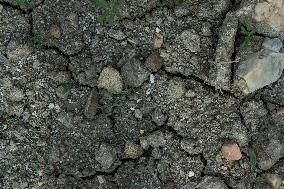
1, 8
176, 90
55, 31
273, 44
110, 80
154, 62
116, 34
106, 156
231, 151
159, 117
191, 40
132, 150
274, 180
158, 41
209, 182
261, 69
16, 95
16, 51
169, 185
134, 73
268, 155
138, 114
91, 105
206, 29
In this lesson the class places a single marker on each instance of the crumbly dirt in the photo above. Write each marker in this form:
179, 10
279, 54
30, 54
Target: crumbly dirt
146, 102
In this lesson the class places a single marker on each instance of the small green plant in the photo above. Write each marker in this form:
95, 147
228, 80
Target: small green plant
109, 10
248, 30
40, 39
252, 159
105, 99
4, 122
24, 4
67, 87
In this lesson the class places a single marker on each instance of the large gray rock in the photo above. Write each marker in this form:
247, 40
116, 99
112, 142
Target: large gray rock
260, 69
134, 73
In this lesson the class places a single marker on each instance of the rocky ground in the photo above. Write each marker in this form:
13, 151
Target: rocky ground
171, 95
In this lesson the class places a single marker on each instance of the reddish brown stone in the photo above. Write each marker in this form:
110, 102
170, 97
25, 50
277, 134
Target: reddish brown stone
154, 62
231, 151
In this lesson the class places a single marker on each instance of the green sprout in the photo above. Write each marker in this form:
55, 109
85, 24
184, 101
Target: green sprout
249, 31
110, 10
253, 159
41, 39
67, 87
24, 4
6, 121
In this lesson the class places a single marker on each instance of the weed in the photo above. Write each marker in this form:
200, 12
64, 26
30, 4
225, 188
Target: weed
105, 98
110, 10
4, 122
252, 158
41, 39
249, 31
67, 87
123, 94
24, 3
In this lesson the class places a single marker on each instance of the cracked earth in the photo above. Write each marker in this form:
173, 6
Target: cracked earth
184, 95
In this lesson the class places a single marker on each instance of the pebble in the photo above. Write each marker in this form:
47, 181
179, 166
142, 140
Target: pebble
191, 40
16, 95
133, 150
1, 8
273, 44
105, 156
91, 107
55, 31
274, 180
154, 62
117, 34
110, 80
134, 73
158, 41
231, 151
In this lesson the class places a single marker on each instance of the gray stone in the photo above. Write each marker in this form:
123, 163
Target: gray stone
106, 156
271, 154
91, 105
191, 40
116, 34
159, 117
16, 95
209, 182
224, 51
132, 150
17, 51
260, 69
134, 73
110, 80
273, 44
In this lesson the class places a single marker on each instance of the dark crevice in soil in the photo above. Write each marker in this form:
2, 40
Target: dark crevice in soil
222, 92
204, 161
